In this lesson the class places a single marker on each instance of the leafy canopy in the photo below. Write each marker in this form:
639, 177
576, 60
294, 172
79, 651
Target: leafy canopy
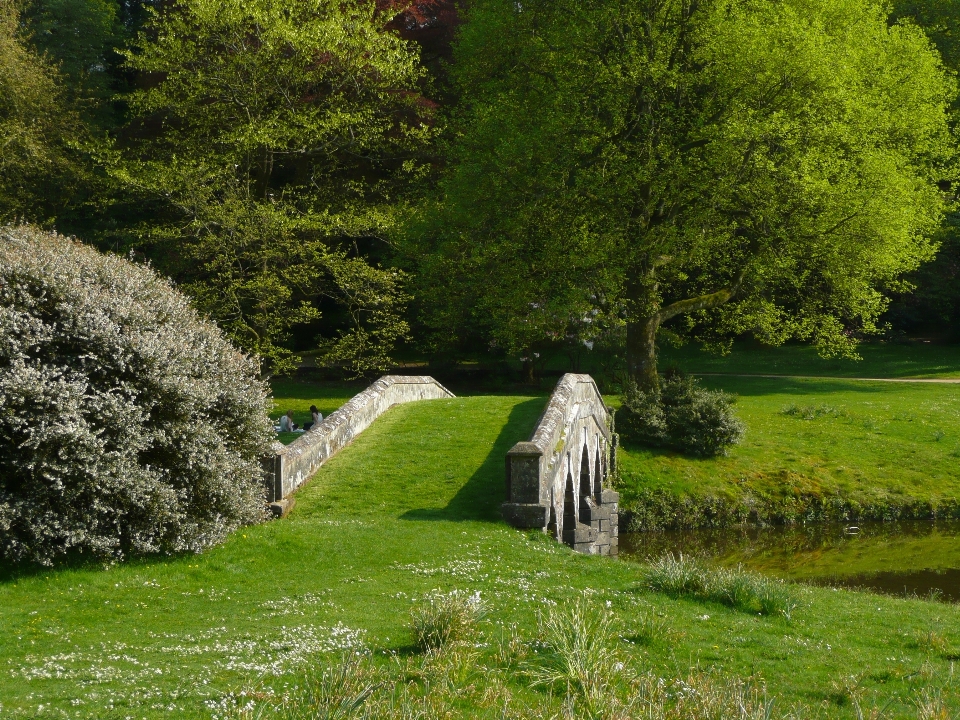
39, 129
740, 165
276, 142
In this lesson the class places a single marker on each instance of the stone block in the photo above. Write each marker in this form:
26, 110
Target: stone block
583, 534
525, 515
590, 511
608, 497
523, 474
280, 508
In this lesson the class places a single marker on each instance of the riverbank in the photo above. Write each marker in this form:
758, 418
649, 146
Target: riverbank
410, 510
815, 450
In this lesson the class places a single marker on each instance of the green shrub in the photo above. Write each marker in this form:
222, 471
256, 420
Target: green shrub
442, 619
682, 415
128, 424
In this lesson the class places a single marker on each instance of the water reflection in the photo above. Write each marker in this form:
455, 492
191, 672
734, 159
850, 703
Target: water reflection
917, 558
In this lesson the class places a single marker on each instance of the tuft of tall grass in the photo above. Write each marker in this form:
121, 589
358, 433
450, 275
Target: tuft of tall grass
708, 696
680, 576
811, 412
931, 705
444, 618
335, 691
928, 641
580, 652
648, 628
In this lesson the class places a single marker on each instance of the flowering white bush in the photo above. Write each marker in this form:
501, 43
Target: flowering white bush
128, 424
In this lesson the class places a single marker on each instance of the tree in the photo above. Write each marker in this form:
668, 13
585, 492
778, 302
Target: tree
80, 36
931, 297
38, 130
276, 142
722, 166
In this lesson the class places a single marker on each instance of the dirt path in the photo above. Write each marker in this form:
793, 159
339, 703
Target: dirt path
943, 381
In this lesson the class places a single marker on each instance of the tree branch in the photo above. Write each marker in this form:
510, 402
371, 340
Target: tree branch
702, 302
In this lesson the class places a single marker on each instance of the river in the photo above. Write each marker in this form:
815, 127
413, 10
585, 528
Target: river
915, 559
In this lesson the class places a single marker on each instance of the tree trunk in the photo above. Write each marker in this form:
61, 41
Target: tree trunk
642, 352
646, 318
643, 320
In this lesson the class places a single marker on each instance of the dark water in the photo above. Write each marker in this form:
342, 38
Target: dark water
919, 559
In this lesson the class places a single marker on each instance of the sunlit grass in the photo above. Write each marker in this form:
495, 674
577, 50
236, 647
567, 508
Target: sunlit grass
411, 509
887, 444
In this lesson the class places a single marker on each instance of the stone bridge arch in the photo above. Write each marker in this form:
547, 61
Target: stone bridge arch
558, 481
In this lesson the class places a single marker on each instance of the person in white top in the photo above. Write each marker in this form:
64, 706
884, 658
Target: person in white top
286, 422
317, 418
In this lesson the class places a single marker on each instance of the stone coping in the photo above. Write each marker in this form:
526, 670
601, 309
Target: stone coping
572, 393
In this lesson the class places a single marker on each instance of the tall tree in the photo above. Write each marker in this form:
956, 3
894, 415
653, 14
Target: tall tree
930, 301
276, 141
81, 37
39, 130
722, 166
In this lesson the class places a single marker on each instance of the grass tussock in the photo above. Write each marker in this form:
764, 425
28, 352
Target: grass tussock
579, 654
680, 576
442, 619
931, 642
649, 628
812, 412
336, 691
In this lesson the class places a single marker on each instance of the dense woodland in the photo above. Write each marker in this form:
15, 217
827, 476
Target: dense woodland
501, 180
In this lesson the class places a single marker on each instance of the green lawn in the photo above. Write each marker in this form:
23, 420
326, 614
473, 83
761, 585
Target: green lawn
879, 445
878, 360
411, 507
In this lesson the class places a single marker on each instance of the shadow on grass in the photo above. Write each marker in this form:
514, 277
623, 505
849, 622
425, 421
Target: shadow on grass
480, 497
11, 573
754, 387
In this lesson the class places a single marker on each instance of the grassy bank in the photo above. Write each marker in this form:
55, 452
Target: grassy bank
411, 510
815, 450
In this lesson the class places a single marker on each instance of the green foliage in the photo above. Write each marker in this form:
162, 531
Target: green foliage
746, 166
79, 36
38, 129
681, 414
287, 136
128, 425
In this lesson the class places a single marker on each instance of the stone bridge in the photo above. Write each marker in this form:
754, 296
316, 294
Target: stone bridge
556, 481
288, 467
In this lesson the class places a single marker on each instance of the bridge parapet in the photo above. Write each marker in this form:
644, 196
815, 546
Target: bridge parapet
557, 480
288, 467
